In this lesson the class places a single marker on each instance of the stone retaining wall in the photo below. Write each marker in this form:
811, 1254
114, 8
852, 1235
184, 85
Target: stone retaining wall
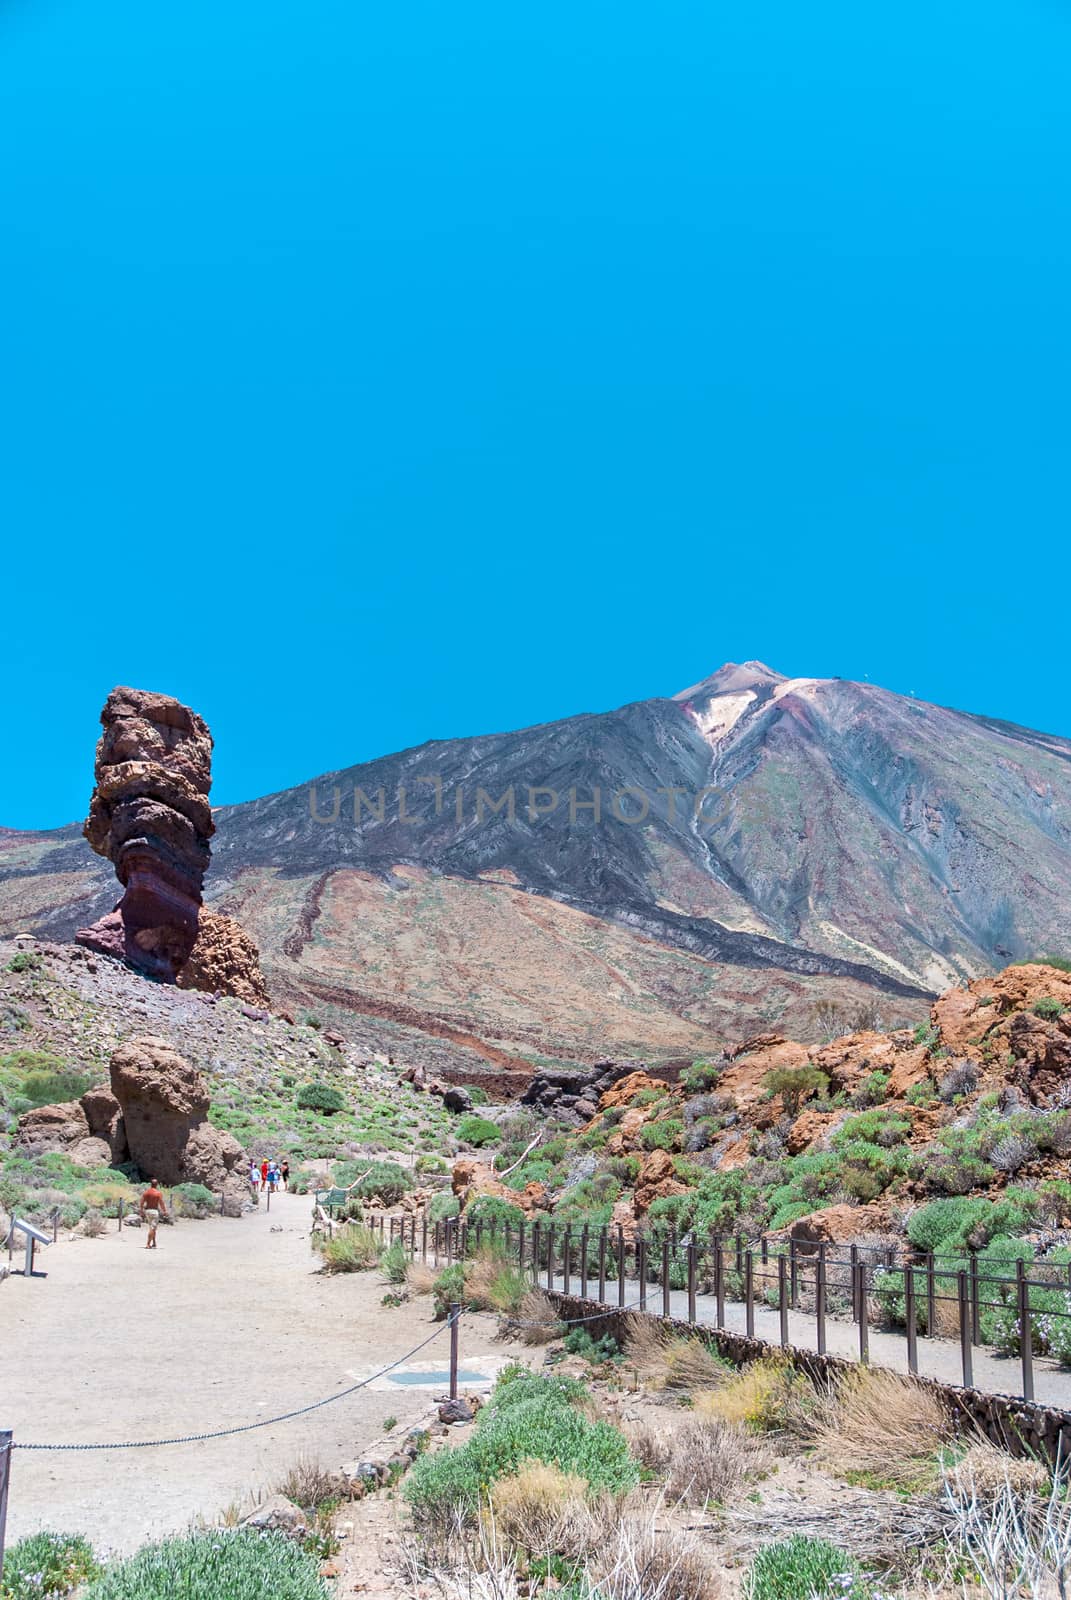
1022, 1427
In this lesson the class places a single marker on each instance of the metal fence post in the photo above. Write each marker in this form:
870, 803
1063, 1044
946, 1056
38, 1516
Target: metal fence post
520, 1247
911, 1314
567, 1254
691, 1280
864, 1315
853, 1262
665, 1278
120, 1227
820, 1298
931, 1296
641, 1265
550, 1256
584, 1262
782, 1299
620, 1264
719, 1284
424, 1238
602, 1266
794, 1275
1026, 1332
537, 1231
749, 1294
964, 1296
976, 1315
455, 1317
5, 1478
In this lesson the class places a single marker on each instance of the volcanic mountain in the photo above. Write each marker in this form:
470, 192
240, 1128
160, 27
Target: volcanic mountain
651, 881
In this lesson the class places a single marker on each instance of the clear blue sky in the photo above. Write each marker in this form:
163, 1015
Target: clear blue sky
373, 373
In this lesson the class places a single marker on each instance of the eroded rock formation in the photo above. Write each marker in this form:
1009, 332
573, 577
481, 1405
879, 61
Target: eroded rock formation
150, 816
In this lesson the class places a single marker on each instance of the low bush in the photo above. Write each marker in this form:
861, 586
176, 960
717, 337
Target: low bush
489, 1210
579, 1342
700, 1076
478, 1131
493, 1283
394, 1263
477, 1094
443, 1206
320, 1097
804, 1569
194, 1200
225, 1564
661, 1135
24, 961
1049, 1009
769, 1396
794, 1085
47, 1564
353, 1248
448, 1289
385, 1181
529, 1418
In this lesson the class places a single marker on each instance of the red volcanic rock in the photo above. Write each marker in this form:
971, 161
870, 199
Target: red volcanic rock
224, 958
164, 1102
151, 818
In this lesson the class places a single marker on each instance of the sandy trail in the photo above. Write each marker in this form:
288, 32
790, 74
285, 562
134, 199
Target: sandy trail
227, 1322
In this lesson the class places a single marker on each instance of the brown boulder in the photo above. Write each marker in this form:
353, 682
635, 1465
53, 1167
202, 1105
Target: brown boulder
90, 1153
164, 1101
1042, 1050
473, 1177
910, 1067
809, 1126
657, 1179
625, 1090
839, 1224
745, 1076
848, 1060
105, 1117
224, 960
54, 1127
625, 1136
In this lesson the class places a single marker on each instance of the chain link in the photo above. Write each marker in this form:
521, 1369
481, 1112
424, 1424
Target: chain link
245, 1427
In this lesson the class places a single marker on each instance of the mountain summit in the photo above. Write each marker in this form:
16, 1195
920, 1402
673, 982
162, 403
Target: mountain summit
652, 880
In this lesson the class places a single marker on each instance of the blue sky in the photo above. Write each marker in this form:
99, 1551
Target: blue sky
378, 373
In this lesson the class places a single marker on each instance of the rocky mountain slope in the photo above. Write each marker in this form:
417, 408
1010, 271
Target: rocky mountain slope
651, 881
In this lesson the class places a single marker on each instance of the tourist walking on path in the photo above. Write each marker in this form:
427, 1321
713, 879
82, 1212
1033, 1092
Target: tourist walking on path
284, 1173
254, 1181
152, 1209
263, 1174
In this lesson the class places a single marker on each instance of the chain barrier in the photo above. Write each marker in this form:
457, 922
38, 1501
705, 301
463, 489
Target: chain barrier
246, 1427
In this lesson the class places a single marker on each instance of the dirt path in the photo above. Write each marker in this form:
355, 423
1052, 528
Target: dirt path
227, 1322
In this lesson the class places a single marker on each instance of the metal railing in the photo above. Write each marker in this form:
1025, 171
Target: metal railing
784, 1275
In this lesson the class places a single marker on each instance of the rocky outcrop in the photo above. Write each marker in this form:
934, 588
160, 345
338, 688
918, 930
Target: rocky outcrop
473, 1178
224, 960
657, 1180
150, 817
573, 1093
164, 1103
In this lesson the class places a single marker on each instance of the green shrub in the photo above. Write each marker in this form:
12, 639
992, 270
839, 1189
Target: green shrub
24, 961
443, 1206
872, 1091
394, 1263
880, 1126
1051, 1009
661, 1135
804, 1569
529, 1418
226, 1564
927, 1034
301, 1180
579, 1342
488, 1209
320, 1097
478, 1131
431, 1163
385, 1181
448, 1289
47, 1563
700, 1076
795, 1085
353, 1248
194, 1200
477, 1094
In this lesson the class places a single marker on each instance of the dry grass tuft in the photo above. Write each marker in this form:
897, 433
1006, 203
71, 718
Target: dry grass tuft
885, 1426
494, 1284
991, 1471
539, 1508
705, 1459
538, 1322
644, 1342
419, 1277
308, 1484
642, 1561
769, 1396
679, 1365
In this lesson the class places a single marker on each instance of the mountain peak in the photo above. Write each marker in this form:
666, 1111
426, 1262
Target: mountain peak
733, 676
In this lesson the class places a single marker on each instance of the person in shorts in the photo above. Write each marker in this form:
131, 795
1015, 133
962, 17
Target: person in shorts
152, 1210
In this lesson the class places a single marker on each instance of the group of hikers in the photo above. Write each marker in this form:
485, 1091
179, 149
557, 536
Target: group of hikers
270, 1175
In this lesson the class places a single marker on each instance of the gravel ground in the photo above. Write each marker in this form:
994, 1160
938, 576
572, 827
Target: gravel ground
225, 1323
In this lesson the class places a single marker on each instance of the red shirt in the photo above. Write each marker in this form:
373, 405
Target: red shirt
264, 1170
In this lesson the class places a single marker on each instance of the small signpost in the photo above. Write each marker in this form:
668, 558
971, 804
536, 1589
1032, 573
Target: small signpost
5, 1473
33, 1237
